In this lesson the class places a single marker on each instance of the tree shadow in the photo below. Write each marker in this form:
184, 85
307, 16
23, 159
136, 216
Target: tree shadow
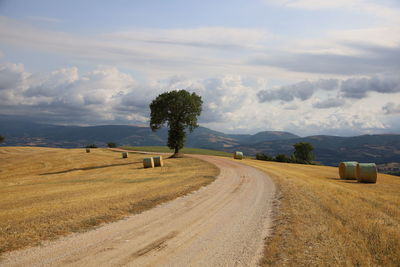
89, 168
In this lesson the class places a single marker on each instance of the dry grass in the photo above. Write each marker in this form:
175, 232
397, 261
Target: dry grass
325, 221
46, 192
185, 150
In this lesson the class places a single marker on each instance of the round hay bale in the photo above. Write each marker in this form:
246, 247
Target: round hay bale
348, 170
158, 161
124, 155
238, 155
148, 163
87, 150
366, 173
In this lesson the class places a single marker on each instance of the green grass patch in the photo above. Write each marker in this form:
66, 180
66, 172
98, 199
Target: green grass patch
186, 150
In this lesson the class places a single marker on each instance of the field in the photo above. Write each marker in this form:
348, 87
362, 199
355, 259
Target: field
324, 221
186, 150
48, 192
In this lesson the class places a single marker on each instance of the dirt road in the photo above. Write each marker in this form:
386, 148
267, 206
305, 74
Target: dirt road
223, 224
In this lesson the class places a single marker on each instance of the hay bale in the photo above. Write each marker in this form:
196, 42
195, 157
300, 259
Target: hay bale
158, 161
124, 155
148, 163
87, 150
238, 155
348, 170
366, 173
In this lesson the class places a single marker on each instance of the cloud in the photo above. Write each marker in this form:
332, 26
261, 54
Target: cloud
11, 76
391, 108
228, 96
329, 103
51, 84
374, 59
379, 9
165, 51
204, 51
224, 97
302, 90
363, 51
65, 96
291, 107
371, 37
107, 95
355, 88
339, 122
360, 87
205, 37
44, 19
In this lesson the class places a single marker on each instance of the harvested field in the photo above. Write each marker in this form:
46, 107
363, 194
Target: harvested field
48, 192
185, 150
325, 221
223, 224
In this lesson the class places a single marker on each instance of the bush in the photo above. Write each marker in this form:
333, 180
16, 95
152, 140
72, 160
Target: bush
91, 146
282, 158
262, 156
302, 155
111, 144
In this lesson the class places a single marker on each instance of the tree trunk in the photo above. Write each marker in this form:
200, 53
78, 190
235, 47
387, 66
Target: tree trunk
176, 151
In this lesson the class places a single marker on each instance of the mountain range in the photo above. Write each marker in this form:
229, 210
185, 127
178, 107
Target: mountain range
328, 150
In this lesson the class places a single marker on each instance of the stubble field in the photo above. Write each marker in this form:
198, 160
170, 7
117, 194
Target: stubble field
324, 221
48, 192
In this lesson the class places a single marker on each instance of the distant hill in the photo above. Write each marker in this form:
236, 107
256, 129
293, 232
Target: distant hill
19, 132
329, 150
265, 136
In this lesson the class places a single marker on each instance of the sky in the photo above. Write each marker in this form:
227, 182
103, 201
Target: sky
309, 67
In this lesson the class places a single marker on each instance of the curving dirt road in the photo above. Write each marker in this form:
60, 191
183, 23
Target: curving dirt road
223, 224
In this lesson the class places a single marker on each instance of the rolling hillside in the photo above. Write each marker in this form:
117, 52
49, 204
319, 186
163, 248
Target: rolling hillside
329, 150
18, 132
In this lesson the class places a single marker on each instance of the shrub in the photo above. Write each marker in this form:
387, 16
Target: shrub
111, 144
282, 158
285, 158
262, 156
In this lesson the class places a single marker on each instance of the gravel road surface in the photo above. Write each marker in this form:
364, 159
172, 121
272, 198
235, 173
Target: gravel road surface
222, 224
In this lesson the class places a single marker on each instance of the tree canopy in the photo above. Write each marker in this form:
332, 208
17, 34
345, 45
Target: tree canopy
303, 152
178, 110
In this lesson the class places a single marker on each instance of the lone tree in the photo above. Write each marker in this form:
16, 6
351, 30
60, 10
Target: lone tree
1, 139
303, 152
178, 110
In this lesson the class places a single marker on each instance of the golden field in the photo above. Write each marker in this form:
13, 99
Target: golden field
48, 192
321, 220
